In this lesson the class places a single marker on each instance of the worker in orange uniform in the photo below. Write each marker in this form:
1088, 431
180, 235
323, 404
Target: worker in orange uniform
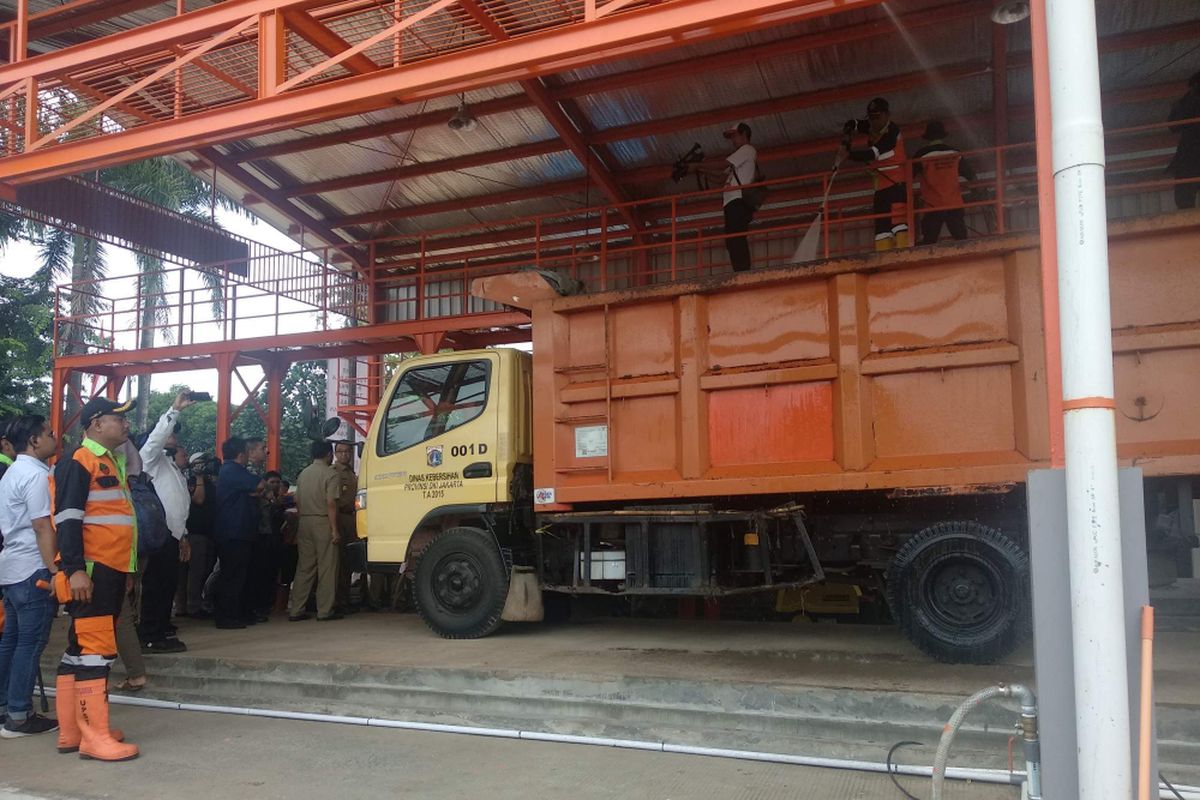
940, 168
885, 157
97, 546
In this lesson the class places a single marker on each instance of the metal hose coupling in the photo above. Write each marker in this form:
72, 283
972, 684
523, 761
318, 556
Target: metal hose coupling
1029, 735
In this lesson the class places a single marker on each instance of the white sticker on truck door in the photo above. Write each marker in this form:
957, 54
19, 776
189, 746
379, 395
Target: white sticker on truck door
591, 441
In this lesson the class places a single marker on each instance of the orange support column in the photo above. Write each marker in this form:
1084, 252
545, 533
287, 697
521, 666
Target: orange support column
58, 401
275, 374
224, 396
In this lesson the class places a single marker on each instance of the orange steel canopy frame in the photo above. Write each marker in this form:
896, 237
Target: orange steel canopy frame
309, 113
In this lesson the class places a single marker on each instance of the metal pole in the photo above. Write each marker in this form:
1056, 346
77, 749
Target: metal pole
1047, 223
1093, 510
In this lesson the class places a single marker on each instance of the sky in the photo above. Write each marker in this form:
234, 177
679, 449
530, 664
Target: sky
21, 259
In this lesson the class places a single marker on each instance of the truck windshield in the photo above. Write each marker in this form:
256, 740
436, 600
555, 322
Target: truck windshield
430, 401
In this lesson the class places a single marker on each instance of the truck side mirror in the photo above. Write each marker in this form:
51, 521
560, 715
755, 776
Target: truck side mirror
360, 447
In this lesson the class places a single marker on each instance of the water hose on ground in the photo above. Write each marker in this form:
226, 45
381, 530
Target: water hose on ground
1029, 735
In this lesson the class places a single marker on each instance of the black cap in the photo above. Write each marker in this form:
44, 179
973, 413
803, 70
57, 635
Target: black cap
99, 406
934, 130
878, 104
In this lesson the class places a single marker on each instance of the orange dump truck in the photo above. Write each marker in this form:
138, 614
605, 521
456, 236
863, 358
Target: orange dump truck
870, 420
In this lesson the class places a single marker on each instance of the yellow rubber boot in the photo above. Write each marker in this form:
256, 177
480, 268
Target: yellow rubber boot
92, 717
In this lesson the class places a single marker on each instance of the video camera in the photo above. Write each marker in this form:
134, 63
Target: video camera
694, 156
852, 126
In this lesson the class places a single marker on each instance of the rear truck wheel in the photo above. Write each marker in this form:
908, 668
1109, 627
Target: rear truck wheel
460, 584
960, 592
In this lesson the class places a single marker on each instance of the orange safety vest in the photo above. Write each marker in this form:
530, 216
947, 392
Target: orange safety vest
939, 178
109, 522
888, 145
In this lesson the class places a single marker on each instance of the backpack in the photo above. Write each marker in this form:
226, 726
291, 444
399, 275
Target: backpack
755, 196
152, 530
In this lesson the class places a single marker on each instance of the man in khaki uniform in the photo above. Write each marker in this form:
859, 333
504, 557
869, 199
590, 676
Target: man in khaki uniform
343, 462
317, 492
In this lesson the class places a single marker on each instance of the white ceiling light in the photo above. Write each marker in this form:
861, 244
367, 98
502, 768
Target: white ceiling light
1006, 12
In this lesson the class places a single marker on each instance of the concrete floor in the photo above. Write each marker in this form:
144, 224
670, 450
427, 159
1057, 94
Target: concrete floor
834, 656
205, 756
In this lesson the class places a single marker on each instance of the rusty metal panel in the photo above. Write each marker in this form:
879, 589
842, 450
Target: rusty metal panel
922, 371
939, 415
763, 325
938, 305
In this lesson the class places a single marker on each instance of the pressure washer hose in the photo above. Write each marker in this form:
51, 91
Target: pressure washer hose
1029, 735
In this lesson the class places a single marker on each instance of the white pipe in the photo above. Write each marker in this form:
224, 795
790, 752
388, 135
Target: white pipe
1093, 514
996, 776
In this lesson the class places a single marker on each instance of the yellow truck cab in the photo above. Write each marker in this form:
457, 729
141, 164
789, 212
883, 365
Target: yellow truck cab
445, 467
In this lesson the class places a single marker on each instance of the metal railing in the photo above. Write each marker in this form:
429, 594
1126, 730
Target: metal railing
681, 237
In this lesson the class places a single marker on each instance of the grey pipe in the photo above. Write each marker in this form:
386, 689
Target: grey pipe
993, 776
1029, 735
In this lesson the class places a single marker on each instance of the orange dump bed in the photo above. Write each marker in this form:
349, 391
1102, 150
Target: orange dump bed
916, 369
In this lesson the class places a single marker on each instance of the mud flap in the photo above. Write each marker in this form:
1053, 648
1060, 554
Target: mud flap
524, 601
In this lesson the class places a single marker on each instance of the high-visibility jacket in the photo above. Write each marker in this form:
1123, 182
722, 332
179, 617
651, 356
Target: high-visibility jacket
885, 154
940, 167
93, 511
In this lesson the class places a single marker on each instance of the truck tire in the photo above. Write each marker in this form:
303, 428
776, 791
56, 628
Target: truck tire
460, 584
960, 592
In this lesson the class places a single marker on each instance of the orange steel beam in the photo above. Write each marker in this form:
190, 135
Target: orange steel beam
648, 30
498, 198
327, 41
690, 66
156, 37
426, 168
315, 344
73, 16
697, 65
501, 105
570, 127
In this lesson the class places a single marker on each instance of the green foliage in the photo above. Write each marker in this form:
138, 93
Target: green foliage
25, 322
303, 384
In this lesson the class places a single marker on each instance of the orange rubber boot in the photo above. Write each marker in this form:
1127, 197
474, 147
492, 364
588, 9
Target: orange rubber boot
95, 741
65, 704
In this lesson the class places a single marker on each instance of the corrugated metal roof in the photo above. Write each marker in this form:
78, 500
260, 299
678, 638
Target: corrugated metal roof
703, 101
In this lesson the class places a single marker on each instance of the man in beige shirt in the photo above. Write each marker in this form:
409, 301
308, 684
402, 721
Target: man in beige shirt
318, 488
343, 463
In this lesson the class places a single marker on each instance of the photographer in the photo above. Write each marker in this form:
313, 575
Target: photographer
885, 158
201, 516
737, 170
161, 453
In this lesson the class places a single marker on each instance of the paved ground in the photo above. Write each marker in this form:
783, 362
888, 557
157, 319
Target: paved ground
206, 756
835, 656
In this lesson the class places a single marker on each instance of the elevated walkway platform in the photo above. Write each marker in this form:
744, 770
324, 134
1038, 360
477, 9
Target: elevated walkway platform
825, 690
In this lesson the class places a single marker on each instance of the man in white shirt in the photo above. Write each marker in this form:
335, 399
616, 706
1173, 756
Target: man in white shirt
26, 568
737, 169
159, 455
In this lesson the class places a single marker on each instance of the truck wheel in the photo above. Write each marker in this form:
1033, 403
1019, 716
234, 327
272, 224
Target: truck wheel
460, 584
960, 592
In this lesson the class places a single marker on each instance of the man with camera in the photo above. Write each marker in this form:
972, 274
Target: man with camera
738, 169
202, 484
884, 156
160, 460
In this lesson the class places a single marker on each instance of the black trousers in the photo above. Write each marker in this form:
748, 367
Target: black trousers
889, 219
953, 218
92, 634
158, 591
737, 220
262, 580
235, 555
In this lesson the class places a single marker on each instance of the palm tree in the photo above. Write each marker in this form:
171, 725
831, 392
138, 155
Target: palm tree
81, 261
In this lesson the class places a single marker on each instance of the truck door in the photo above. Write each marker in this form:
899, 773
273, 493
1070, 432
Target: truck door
434, 446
